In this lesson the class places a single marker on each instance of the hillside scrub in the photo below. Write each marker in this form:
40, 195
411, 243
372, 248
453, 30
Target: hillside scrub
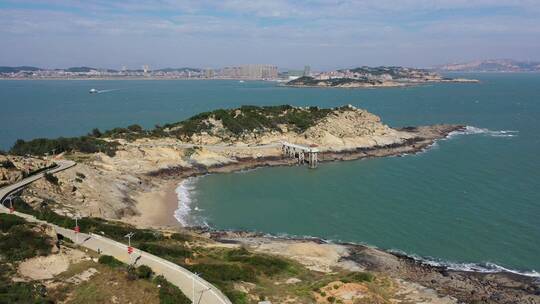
16, 229
41, 146
13, 229
235, 121
249, 118
226, 268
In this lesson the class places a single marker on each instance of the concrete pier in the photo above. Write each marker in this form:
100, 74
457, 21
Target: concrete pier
303, 154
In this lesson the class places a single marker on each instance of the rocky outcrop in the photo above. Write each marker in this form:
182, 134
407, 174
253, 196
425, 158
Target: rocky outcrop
15, 168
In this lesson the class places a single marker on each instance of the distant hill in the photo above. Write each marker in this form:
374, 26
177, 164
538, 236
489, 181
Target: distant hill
6, 69
492, 65
179, 70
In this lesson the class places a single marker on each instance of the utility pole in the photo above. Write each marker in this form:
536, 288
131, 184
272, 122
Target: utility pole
77, 229
130, 249
193, 286
11, 208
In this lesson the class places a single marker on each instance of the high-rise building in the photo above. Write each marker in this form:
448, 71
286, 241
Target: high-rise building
307, 71
208, 73
251, 71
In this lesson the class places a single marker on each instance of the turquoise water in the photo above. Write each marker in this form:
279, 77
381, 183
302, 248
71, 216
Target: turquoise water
470, 199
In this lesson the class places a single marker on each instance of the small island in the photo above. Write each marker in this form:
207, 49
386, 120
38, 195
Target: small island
371, 77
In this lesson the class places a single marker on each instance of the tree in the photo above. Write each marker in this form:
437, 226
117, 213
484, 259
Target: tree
135, 128
96, 132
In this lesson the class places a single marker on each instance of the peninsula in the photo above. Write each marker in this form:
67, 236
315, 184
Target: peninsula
125, 180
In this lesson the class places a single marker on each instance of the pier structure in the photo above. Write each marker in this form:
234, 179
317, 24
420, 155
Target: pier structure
302, 153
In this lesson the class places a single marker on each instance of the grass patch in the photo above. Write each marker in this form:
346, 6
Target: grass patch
9, 220
23, 292
111, 283
21, 242
110, 261
170, 294
356, 277
262, 264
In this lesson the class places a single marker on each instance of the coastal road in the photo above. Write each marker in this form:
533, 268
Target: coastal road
193, 286
61, 165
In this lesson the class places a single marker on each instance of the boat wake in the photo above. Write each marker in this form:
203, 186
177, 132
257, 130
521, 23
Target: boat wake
107, 91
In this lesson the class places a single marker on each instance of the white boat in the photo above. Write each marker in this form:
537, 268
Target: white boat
93, 91
241, 81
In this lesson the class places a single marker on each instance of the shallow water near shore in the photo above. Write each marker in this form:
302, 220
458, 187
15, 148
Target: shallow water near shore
473, 198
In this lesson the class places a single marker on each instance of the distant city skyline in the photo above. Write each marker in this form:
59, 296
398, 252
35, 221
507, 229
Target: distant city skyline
325, 35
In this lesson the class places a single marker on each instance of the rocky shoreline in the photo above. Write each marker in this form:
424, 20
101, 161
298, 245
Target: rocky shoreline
461, 286
409, 146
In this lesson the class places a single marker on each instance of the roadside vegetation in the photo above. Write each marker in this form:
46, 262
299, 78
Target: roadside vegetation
243, 275
131, 284
13, 230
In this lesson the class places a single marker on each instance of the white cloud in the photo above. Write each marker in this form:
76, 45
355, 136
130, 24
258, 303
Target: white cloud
280, 30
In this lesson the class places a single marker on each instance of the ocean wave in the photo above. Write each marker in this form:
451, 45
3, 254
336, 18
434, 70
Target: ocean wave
184, 192
471, 130
486, 267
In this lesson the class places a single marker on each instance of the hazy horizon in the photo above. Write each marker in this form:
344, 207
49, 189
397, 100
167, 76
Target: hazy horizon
290, 34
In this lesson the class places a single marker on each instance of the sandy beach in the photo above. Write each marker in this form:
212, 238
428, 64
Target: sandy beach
156, 208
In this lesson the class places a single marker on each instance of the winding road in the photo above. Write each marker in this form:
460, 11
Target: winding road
194, 287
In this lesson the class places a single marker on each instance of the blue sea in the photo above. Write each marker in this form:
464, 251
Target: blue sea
471, 201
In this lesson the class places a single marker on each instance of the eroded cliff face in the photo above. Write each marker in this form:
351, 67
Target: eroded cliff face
109, 187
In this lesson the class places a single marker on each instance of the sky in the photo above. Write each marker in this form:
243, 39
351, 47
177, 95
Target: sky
325, 34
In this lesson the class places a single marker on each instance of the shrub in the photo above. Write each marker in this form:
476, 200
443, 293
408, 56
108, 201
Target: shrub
182, 237
358, 277
110, 261
9, 220
170, 294
176, 252
51, 178
135, 128
144, 272
21, 242
22, 292
96, 132
7, 164
266, 264
220, 273
237, 297
85, 144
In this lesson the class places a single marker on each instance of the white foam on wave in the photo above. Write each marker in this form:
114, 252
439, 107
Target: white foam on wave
486, 267
471, 130
185, 192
